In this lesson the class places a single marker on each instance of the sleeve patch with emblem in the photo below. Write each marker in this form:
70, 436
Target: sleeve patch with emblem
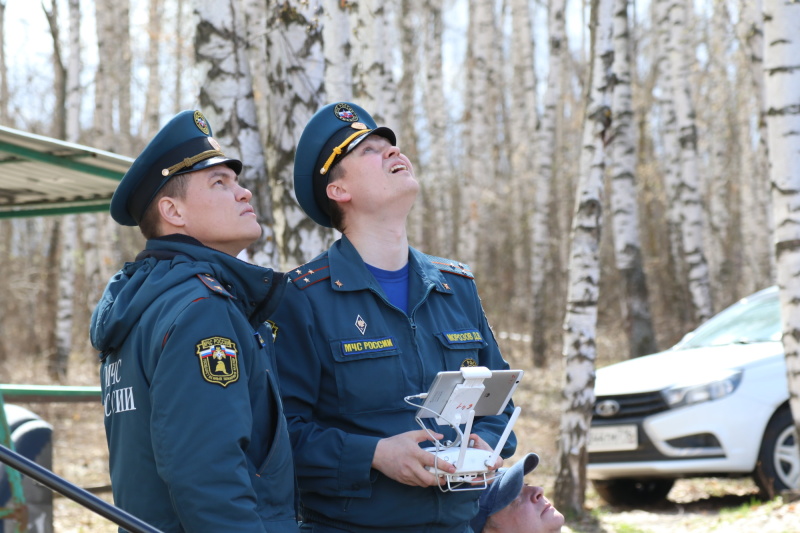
273, 328
218, 360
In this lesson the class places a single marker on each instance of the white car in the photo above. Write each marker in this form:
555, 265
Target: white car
716, 404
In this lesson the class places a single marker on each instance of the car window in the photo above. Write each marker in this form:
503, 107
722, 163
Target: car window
756, 320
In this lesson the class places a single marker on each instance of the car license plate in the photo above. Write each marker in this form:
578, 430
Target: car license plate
613, 438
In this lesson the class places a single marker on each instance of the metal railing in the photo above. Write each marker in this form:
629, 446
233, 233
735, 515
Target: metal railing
16, 464
48, 393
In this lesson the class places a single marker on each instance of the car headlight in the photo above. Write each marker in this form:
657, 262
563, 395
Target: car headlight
684, 394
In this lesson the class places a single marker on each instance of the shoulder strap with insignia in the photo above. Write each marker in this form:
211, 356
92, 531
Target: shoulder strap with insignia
451, 267
213, 284
310, 273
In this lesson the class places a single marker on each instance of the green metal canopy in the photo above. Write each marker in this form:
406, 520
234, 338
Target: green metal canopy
44, 176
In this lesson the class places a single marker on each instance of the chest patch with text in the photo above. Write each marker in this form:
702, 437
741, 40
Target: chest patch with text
461, 337
357, 347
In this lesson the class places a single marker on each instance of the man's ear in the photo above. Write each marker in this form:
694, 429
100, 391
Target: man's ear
171, 211
337, 192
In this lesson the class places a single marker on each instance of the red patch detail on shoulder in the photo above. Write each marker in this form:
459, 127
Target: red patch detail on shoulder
308, 277
213, 284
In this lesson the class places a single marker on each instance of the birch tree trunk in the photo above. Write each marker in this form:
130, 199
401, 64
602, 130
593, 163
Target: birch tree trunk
227, 98
756, 201
480, 126
624, 204
296, 75
152, 104
689, 200
336, 35
782, 73
4, 97
373, 86
6, 226
113, 77
179, 54
91, 251
410, 47
122, 72
494, 203
65, 306
580, 322
437, 172
256, 17
521, 131
58, 127
50, 303
546, 141
95, 252
716, 112
103, 88
74, 66
670, 161
64, 270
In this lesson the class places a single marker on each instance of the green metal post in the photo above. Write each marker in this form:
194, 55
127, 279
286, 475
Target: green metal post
17, 511
49, 393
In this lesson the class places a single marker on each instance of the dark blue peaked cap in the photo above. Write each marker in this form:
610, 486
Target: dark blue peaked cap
183, 145
503, 490
328, 137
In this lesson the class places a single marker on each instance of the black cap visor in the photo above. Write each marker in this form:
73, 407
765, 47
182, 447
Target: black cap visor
321, 179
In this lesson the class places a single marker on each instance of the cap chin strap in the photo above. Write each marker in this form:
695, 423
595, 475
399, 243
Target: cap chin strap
189, 162
338, 150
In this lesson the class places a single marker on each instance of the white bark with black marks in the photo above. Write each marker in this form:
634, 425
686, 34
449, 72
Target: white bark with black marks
782, 74
690, 204
624, 194
580, 322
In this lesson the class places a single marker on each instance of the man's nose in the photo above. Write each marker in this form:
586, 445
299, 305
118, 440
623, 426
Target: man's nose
245, 194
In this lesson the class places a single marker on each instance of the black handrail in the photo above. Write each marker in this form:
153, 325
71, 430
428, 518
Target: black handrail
75, 493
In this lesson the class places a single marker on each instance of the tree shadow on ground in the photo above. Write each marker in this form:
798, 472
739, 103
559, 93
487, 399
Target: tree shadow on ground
597, 520
707, 504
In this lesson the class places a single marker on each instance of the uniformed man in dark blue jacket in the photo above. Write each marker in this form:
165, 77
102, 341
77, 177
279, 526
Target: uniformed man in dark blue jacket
364, 325
194, 421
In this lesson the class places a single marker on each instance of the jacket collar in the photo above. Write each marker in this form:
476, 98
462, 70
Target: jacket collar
256, 289
348, 272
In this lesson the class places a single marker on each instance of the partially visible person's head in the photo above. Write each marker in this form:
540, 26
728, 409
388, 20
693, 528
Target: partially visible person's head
508, 505
332, 133
184, 145
334, 209
214, 209
150, 224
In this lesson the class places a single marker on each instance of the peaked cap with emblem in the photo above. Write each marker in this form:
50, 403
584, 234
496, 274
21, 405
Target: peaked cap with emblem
183, 145
328, 137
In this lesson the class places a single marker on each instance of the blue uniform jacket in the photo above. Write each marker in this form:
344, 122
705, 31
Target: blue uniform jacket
347, 360
196, 434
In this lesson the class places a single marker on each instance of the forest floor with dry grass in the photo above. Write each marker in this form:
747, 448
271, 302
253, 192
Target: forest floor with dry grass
704, 505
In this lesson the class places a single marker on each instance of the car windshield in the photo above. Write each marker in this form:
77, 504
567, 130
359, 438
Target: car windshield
756, 319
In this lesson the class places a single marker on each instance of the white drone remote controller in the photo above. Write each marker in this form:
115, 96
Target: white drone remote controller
472, 465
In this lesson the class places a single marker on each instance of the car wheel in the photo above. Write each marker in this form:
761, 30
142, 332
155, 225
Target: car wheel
778, 466
633, 492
